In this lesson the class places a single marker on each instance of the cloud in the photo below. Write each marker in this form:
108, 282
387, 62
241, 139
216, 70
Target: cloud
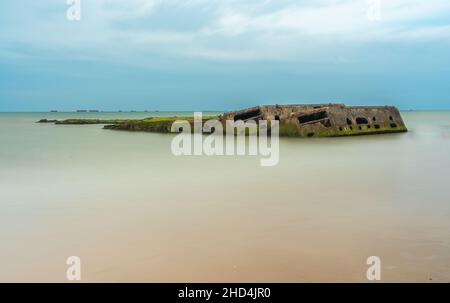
222, 52
224, 29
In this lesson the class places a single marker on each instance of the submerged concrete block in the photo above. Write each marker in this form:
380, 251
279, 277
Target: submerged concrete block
325, 120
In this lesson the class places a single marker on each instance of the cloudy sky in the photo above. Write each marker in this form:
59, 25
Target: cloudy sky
223, 54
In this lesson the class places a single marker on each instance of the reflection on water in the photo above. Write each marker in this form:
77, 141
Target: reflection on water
134, 212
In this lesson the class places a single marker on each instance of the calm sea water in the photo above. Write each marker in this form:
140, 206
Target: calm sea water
134, 212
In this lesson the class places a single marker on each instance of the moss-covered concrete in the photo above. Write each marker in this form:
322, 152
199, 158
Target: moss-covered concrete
150, 124
295, 121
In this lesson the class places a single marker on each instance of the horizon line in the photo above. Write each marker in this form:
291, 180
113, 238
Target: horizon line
170, 111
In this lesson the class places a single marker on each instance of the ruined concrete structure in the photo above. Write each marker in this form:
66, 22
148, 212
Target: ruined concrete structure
325, 120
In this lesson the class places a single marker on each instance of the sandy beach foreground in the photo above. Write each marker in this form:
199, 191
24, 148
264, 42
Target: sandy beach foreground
133, 212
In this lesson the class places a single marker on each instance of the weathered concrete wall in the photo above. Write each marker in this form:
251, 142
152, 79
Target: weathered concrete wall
325, 120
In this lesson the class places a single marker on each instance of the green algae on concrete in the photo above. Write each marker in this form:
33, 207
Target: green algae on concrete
325, 120
154, 124
313, 120
150, 124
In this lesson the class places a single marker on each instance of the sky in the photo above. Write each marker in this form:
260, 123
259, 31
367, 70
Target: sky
223, 54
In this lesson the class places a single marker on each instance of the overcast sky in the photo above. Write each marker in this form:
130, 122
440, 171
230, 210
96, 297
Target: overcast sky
223, 54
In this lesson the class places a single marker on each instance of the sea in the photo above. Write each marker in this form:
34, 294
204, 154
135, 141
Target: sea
132, 211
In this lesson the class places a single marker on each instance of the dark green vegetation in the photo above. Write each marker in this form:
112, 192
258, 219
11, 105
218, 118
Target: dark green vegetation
47, 121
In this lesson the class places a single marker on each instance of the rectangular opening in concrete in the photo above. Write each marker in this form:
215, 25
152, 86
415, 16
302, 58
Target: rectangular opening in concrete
252, 114
314, 117
361, 120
